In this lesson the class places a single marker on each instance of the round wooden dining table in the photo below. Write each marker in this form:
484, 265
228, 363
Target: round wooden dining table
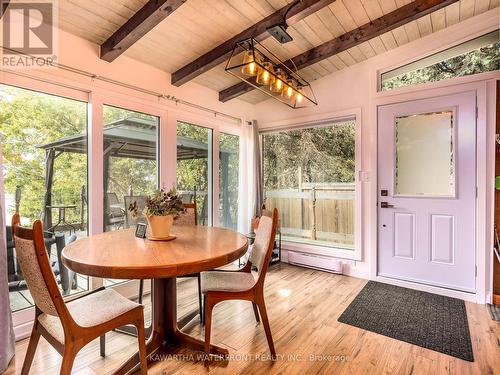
121, 255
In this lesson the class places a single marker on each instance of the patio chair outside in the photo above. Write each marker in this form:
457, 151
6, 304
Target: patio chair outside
115, 212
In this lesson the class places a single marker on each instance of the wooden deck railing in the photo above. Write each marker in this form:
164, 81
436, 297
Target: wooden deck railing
316, 212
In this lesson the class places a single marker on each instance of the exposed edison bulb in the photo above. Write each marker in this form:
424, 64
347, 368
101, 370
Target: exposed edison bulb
299, 97
251, 68
279, 81
288, 91
265, 76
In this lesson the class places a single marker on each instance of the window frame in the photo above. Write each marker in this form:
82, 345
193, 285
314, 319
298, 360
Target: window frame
324, 121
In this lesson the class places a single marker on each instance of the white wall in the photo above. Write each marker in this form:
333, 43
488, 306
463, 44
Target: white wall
355, 89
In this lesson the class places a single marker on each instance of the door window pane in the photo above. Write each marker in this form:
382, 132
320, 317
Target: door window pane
130, 164
45, 161
309, 176
194, 168
228, 180
425, 155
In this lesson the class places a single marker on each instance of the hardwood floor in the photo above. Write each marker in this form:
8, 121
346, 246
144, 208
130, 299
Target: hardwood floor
303, 307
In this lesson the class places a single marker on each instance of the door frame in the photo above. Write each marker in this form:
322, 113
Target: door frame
484, 174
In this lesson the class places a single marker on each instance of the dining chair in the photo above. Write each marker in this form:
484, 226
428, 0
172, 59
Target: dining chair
190, 217
218, 286
69, 326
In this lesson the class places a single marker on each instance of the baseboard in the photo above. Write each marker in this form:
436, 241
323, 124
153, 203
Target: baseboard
349, 267
22, 331
321, 263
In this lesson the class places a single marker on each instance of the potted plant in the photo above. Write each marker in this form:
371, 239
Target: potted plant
161, 209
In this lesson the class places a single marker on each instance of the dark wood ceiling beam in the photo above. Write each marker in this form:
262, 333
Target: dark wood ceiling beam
377, 27
220, 53
3, 6
150, 15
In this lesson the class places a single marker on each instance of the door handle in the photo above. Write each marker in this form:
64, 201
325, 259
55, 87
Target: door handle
386, 205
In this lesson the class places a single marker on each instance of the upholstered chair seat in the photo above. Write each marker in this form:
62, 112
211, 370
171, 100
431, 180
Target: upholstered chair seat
227, 281
89, 311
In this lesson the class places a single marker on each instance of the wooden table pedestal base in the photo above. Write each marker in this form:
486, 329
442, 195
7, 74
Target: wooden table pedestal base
166, 338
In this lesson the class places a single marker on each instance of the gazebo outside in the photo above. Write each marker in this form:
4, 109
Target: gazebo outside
133, 138
128, 137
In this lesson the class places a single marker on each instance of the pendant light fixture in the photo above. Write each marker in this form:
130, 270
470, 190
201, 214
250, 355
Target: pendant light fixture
254, 64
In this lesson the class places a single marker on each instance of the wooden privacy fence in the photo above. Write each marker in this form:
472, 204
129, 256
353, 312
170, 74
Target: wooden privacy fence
318, 212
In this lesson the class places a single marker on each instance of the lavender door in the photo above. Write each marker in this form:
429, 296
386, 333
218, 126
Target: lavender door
427, 191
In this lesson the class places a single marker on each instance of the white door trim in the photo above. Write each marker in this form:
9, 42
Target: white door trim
485, 175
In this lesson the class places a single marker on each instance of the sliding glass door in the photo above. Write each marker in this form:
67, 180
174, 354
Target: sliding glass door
45, 166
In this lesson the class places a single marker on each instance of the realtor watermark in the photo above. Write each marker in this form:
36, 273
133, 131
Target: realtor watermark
240, 357
29, 33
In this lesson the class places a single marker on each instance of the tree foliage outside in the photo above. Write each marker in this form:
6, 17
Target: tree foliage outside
29, 119
314, 155
229, 145
125, 174
192, 174
484, 59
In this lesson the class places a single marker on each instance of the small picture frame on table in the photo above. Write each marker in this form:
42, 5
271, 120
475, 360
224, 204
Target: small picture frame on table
140, 230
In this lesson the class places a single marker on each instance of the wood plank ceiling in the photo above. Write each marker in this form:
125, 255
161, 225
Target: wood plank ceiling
197, 26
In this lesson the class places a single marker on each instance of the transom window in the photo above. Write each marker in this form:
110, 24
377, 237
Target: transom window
476, 56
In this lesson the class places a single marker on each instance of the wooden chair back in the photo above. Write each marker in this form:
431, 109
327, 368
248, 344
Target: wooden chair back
264, 243
190, 217
35, 265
